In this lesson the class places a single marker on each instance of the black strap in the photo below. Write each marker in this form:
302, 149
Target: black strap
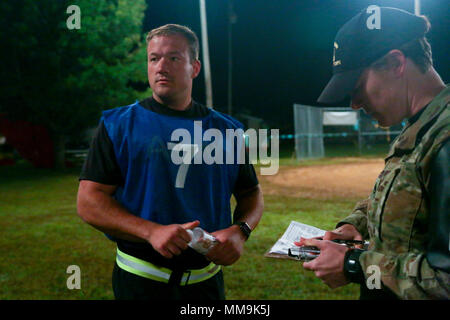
175, 277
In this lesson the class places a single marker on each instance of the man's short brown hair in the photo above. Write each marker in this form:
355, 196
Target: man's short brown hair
176, 29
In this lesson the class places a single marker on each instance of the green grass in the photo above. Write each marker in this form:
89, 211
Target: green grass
269, 278
41, 235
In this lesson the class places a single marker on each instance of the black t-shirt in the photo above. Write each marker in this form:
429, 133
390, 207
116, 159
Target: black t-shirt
101, 166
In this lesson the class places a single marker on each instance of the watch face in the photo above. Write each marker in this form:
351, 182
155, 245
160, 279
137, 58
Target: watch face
352, 267
351, 262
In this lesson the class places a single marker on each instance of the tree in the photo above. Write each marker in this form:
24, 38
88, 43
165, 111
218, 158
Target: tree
61, 78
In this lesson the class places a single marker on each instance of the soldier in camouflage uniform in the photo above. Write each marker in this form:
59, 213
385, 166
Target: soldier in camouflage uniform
388, 72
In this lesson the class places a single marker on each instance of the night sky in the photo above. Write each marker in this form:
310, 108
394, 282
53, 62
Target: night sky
282, 49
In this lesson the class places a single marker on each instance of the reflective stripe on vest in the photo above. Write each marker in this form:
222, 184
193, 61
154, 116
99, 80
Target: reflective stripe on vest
148, 270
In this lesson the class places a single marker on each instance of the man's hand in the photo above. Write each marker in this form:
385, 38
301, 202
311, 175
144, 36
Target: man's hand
230, 246
170, 240
344, 232
329, 265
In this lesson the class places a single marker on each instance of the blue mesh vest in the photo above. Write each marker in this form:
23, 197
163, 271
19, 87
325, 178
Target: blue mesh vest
157, 189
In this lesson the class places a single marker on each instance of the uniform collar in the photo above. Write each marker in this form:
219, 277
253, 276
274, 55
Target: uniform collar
416, 127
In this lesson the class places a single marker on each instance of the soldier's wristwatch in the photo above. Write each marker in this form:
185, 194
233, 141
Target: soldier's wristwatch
352, 267
245, 228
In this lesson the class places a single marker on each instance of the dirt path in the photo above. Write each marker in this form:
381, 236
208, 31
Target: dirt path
348, 180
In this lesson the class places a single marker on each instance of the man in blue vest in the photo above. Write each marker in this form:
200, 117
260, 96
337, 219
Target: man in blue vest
133, 191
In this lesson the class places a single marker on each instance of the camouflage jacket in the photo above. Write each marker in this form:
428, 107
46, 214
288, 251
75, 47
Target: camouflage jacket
395, 216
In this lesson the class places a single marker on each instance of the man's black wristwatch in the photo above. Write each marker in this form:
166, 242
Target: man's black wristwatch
352, 267
245, 228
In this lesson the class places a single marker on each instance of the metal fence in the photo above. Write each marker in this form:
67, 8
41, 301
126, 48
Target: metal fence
309, 130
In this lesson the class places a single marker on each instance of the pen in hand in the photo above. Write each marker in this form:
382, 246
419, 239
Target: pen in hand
348, 241
339, 241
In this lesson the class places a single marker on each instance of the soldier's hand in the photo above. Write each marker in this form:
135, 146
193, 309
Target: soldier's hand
170, 240
329, 265
345, 232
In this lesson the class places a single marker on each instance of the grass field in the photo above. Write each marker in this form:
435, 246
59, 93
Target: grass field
41, 235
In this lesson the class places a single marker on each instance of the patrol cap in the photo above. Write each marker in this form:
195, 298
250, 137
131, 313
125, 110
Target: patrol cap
365, 38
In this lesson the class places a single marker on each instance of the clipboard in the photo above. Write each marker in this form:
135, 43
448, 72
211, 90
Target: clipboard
293, 233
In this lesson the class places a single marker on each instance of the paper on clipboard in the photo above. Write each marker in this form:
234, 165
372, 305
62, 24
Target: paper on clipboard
293, 233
